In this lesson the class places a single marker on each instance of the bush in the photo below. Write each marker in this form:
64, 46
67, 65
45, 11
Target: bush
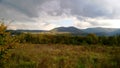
6, 42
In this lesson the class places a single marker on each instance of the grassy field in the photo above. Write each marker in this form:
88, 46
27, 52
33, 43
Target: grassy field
64, 56
49, 51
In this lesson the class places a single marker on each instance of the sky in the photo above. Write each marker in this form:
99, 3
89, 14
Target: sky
49, 14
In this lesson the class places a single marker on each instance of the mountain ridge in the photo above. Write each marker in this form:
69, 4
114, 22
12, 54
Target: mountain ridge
74, 30
66, 29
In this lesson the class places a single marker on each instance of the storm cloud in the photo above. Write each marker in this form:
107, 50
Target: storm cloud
47, 12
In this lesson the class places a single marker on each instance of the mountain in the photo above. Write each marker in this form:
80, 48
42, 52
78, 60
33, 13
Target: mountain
72, 30
117, 32
28, 30
98, 31
101, 31
25, 31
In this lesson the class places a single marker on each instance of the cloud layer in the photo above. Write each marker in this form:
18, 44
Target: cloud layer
47, 14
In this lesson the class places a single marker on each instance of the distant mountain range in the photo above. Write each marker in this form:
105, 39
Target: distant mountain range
98, 30
103, 31
73, 30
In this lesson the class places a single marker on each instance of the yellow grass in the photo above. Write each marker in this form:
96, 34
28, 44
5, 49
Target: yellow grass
64, 56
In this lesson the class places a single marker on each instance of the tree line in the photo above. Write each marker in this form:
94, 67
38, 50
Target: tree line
90, 39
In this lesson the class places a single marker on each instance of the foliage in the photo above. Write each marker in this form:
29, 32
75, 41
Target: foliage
6, 42
90, 39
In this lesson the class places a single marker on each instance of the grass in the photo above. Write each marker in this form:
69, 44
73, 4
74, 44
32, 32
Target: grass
64, 56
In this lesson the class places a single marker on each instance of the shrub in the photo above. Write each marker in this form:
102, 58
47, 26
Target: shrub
6, 42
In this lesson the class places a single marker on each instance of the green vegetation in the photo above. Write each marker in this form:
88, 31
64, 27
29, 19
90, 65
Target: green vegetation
90, 39
58, 51
7, 42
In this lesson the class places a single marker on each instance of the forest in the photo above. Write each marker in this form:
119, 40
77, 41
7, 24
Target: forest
90, 39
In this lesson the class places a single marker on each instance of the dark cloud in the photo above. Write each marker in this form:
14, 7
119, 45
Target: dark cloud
32, 8
85, 8
20, 9
0, 1
27, 7
28, 10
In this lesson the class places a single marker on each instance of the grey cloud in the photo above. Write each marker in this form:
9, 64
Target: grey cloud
27, 7
86, 8
32, 8
52, 7
20, 9
28, 10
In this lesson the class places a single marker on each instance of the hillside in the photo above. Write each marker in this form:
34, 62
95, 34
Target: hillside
102, 31
67, 29
98, 30
73, 30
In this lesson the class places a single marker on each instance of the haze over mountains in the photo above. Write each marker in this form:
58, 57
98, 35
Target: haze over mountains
73, 30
